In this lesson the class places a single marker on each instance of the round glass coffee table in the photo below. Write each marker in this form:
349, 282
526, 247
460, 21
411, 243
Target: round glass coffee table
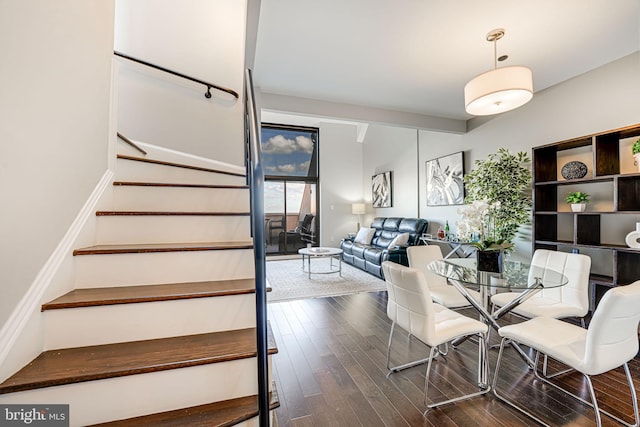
322, 252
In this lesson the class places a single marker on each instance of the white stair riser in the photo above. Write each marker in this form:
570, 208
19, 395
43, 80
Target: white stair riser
172, 229
180, 199
79, 327
168, 155
163, 267
128, 170
135, 395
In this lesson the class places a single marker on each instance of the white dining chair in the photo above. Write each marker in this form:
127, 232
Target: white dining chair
441, 292
570, 300
411, 308
610, 342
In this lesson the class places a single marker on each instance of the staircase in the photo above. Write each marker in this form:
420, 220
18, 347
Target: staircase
159, 328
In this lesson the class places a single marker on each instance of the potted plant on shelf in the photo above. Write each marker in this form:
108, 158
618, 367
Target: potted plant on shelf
498, 201
635, 149
578, 201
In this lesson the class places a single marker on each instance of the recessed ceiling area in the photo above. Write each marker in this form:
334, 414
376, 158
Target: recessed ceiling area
415, 56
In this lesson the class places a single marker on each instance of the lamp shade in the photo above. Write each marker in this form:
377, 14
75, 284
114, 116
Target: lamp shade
498, 90
358, 208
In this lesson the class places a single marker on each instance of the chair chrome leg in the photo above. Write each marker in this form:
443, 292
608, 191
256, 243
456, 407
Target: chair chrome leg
483, 366
446, 350
400, 367
593, 405
393, 326
596, 409
502, 398
426, 376
634, 399
546, 374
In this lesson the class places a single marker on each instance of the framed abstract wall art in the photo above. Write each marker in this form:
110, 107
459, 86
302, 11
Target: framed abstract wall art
381, 190
445, 185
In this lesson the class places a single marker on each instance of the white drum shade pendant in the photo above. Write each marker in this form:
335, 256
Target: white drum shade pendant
500, 89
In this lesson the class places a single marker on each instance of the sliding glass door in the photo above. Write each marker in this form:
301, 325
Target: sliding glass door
291, 181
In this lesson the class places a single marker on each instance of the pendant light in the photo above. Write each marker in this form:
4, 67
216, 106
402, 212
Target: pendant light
498, 90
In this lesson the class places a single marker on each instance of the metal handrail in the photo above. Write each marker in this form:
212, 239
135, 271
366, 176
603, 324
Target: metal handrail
255, 178
184, 76
131, 143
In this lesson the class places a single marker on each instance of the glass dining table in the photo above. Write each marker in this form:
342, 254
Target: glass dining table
516, 277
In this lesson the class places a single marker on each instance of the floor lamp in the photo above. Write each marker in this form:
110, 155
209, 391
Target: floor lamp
358, 209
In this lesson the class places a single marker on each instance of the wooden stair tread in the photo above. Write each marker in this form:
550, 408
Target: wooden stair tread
178, 165
219, 414
91, 297
162, 247
167, 184
73, 365
168, 213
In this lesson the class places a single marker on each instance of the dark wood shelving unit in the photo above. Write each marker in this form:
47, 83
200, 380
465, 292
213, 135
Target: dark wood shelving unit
550, 219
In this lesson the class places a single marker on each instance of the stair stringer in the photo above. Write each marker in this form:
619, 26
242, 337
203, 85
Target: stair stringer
22, 336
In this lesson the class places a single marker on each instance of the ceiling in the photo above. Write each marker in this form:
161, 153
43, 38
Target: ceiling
415, 56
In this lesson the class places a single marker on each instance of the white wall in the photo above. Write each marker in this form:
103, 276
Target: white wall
392, 149
54, 127
340, 181
603, 99
200, 38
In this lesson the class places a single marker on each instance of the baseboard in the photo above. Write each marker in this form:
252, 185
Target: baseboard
29, 305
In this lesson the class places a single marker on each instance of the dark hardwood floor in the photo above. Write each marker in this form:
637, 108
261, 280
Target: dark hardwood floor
331, 371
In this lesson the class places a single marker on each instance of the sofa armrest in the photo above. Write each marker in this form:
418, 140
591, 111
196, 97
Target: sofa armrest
397, 254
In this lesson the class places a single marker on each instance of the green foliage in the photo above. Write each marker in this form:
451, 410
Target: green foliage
504, 178
577, 197
491, 245
635, 148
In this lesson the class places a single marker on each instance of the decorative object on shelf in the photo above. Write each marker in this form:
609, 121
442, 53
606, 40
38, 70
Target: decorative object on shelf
498, 90
635, 149
381, 189
578, 201
491, 261
574, 170
501, 182
445, 183
633, 238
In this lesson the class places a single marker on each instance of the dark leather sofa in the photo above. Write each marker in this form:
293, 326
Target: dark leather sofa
370, 257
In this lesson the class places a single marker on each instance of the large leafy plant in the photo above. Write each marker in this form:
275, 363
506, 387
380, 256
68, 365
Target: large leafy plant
503, 179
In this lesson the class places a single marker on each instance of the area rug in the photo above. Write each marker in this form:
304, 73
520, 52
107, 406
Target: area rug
289, 282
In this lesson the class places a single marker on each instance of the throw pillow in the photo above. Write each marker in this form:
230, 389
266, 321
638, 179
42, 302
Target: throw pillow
400, 240
364, 236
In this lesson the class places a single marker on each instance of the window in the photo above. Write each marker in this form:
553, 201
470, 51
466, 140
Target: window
290, 162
